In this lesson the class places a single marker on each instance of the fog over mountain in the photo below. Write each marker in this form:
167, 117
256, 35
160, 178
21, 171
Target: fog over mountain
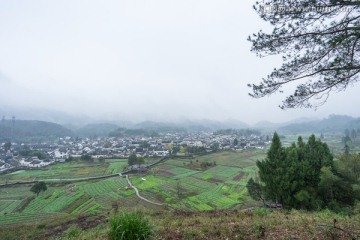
87, 61
36, 130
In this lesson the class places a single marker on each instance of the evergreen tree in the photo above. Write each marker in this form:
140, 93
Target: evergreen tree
333, 190
346, 140
320, 49
348, 167
298, 175
255, 191
347, 133
353, 134
272, 169
316, 155
346, 149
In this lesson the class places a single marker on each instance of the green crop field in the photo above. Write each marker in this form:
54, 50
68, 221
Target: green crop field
180, 172
116, 166
234, 159
105, 186
59, 170
177, 183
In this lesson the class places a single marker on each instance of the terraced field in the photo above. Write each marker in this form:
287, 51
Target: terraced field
220, 186
59, 170
176, 183
116, 166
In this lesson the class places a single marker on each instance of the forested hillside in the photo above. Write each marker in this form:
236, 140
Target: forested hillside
26, 129
334, 123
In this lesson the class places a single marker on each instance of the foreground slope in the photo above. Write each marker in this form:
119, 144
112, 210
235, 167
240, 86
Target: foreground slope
230, 224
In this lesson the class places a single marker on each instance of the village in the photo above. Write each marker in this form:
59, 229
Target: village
37, 155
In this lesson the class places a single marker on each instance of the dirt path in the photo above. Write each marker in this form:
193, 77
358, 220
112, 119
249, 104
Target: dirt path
138, 194
80, 179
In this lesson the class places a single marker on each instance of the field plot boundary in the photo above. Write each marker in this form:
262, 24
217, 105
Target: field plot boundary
138, 194
172, 184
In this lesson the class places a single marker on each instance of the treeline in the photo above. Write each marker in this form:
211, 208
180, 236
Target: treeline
124, 132
238, 132
33, 153
305, 176
352, 133
133, 159
193, 149
349, 138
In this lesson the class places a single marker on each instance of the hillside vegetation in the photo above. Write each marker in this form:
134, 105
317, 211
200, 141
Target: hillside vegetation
305, 176
96, 130
213, 225
334, 123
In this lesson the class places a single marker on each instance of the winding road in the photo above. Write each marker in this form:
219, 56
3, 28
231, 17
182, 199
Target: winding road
138, 194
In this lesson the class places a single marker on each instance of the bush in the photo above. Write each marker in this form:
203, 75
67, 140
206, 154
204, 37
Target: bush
86, 157
38, 187
259, 230
73, 232
130, 226
261, 212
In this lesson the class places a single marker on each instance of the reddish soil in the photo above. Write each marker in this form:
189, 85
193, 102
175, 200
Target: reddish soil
82, 222
239, 176
214, 180
164, 173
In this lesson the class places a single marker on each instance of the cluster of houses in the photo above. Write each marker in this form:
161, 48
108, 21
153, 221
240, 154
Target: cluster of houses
115, 147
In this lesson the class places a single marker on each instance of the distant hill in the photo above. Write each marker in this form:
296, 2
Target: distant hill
216, 125
96, 130
273, 126
267, 125
47, 115
159, 126
124, 132
26, 129
334, 123
191, 126
233, 123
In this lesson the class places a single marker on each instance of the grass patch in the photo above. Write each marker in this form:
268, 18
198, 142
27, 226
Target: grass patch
130, 226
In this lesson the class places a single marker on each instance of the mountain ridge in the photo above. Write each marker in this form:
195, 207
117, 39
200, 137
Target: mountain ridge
24, 129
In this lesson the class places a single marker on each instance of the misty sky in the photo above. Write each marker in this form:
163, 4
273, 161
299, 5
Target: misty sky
141, 60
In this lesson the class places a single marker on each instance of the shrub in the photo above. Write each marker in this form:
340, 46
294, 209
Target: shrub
73, 232
261, 212
38, 187
259, 230
41, 226
130, 226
